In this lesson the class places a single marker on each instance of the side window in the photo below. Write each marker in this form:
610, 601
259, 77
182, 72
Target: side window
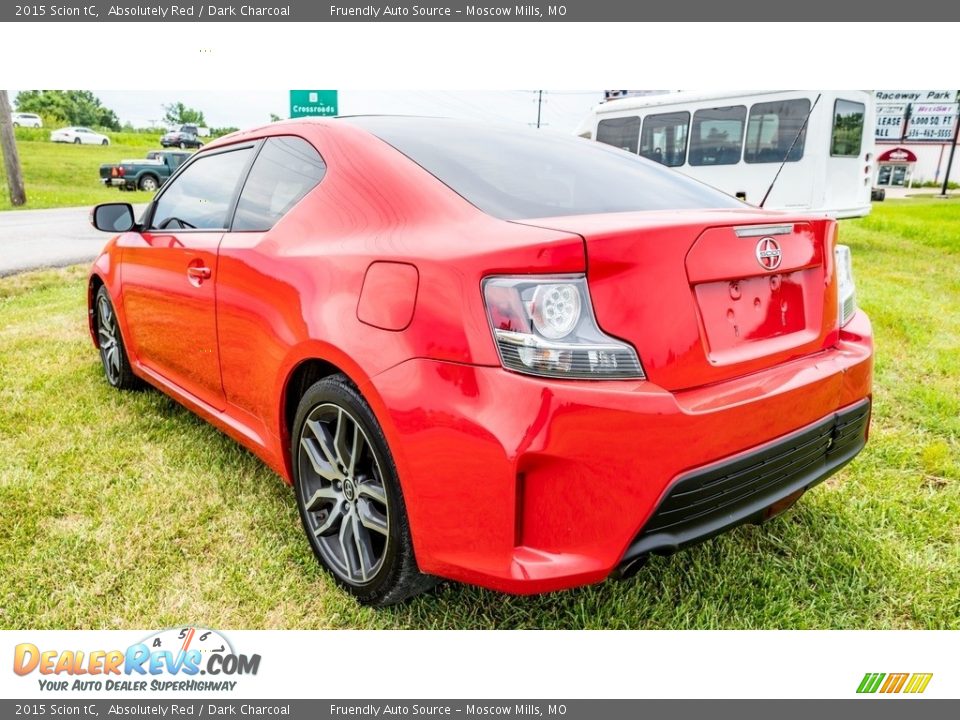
772, 128
200, 197
847, 129
664, 138
620, 132
716, 137
286, 169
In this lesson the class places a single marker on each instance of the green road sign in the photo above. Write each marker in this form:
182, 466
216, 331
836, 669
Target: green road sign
313, 103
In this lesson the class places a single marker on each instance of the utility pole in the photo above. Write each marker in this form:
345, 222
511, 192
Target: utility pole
11, 159
953, 150
539, 105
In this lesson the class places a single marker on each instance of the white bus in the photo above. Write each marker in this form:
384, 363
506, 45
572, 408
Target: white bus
737, 143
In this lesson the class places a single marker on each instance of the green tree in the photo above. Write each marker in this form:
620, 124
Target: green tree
76, 107
274, 117
179, 114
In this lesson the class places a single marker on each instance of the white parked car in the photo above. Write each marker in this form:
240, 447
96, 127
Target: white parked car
79, 136
27, 120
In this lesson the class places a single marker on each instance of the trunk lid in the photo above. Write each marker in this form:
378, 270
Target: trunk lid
712, 295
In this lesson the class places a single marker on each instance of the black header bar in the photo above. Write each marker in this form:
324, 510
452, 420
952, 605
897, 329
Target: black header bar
734, 14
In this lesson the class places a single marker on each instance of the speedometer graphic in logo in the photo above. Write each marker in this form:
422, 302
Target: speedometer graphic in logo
183, 639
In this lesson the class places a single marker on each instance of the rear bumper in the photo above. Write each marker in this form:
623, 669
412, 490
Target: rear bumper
708, 501
527, 485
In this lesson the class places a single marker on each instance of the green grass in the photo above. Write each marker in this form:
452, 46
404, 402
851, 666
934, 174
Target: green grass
64, 175
123, 510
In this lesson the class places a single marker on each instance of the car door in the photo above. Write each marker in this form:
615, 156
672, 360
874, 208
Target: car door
258, 309
169, 269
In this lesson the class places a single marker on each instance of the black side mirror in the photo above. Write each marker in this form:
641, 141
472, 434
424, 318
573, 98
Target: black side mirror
113, 217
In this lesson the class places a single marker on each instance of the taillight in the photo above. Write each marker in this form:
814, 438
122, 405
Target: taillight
544, 325
846, 289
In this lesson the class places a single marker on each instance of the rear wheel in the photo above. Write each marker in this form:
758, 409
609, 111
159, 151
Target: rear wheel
105, 142
76, 141
148, 183
349, 496
113, 354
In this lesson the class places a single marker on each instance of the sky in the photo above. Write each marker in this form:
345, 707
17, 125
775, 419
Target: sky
561, 110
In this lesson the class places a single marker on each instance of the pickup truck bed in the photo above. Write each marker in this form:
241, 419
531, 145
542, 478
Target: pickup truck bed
147, 174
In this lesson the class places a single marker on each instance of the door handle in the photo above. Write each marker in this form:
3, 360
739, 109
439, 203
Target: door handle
198, 273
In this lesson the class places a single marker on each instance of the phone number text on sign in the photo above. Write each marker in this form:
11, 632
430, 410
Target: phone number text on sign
932, 122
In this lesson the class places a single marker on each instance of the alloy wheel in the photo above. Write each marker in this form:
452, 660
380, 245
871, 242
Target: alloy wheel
107, 334
343, 493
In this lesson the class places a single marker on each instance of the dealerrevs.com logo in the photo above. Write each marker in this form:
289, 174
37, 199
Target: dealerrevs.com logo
173, 659
889, 683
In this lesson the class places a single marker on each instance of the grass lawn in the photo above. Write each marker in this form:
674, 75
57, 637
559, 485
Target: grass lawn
122, 510
62, 175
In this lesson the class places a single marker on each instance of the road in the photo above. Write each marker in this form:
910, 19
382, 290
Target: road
48, 238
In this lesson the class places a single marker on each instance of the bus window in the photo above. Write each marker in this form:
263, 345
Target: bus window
664, 138
772, 128
847, 129
620, 132
717, 136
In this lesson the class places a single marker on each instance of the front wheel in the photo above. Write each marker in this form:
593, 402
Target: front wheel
105, 143
349, 496
183, 146
113, 354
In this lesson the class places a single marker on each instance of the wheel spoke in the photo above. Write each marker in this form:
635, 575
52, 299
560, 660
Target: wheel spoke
113, 355
317, 500
320, 466
371, 518
335, 515
365, 552
348, 547
358, 442
326, 443
341, 439
372, 490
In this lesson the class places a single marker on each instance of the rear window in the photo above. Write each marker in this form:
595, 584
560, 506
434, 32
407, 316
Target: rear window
286, 169
847, 128
519, 173
772, 129
622, 132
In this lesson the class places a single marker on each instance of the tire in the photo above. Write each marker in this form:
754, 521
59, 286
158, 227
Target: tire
113, 353
105, 143
16, 124
349, 496
183, 146
76, 141
148, 183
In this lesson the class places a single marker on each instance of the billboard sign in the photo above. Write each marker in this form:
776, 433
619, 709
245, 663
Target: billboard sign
932, 122
891, 118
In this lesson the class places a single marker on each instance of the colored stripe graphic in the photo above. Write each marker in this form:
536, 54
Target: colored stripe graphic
918, 682
870, 682
894, 683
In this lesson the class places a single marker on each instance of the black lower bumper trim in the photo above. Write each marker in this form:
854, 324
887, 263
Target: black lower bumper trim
710, 500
